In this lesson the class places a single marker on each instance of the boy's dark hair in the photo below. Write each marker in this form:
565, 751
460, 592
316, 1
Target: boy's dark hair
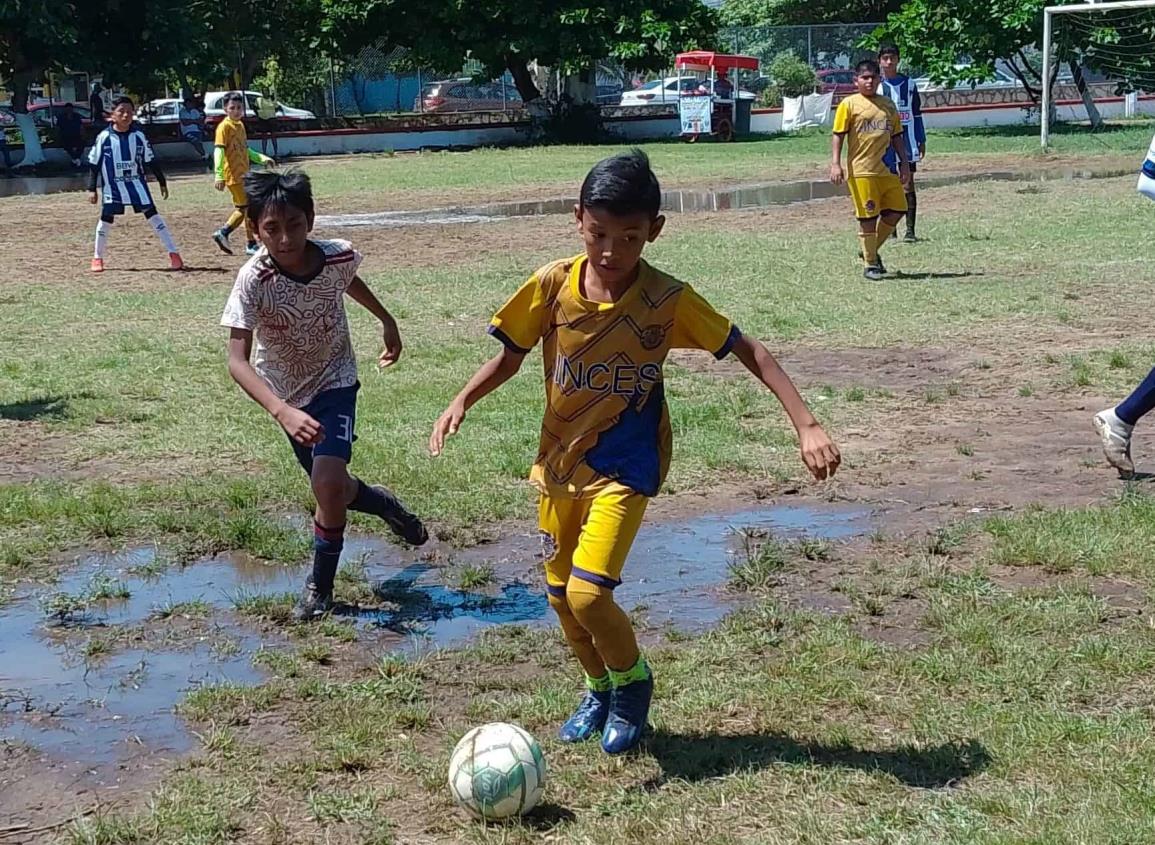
234, 97
867, 65
67, 105
622, 185
123, 101
889, 50
278, 189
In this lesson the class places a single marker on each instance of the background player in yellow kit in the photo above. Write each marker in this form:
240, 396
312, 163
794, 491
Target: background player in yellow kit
231, 160
606, 320
870, 126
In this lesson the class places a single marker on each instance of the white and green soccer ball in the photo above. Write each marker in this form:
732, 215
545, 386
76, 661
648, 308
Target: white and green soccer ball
497, 771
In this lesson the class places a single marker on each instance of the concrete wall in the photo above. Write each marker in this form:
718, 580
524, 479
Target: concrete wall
465, 131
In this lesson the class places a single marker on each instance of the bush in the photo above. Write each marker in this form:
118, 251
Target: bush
770, 98
792, 76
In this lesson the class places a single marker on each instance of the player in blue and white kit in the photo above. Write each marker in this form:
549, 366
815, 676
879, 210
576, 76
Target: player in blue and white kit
1115, 425
118, 158
903, 92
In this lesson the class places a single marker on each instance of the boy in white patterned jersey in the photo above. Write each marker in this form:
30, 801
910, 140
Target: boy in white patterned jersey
291, 296
118, 158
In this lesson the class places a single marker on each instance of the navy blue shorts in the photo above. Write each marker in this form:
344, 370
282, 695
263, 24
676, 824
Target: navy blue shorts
336, 410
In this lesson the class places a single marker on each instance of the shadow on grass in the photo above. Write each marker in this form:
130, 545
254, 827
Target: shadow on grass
916, 277
188, 268
40, 408
545, 817
700, 757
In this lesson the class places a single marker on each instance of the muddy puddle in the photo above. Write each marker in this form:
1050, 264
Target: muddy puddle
92, 667
684, 201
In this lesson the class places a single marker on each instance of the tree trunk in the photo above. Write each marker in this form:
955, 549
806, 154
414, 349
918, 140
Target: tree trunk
33, 151
582, 88
1088, 100
522, 78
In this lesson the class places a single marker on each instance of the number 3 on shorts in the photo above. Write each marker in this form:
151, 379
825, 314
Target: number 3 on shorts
346, 432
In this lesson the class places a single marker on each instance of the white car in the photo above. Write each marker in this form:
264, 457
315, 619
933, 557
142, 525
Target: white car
1001, 79
215, 106
168, 110
665, 91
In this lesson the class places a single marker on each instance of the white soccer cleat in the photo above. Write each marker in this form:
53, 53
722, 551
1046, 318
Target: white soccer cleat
1116, 437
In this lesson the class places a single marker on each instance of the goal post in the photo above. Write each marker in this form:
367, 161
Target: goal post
1049, 13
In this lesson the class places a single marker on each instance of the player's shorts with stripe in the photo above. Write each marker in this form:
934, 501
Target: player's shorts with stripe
240, 198
336, 411
874, 195
590, 538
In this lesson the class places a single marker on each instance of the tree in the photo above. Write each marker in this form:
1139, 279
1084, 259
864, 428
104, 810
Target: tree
32, 34
570, 36
960, 42
802, 12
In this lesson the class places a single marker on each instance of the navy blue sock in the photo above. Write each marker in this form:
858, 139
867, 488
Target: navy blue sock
369, 500
327, 546
1140, 403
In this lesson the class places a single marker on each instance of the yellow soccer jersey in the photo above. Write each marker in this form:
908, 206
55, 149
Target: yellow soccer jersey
869, 123
606, 419
234, 140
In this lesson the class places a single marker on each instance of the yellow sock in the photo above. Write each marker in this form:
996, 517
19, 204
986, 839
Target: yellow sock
885, 230
613, 635
869, 248
235, 220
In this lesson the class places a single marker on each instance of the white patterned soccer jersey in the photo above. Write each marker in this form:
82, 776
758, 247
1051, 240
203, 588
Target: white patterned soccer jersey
121, 157
302, 333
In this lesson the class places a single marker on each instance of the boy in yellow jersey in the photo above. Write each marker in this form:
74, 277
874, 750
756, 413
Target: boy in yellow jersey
606, 320
870, 126
231, 160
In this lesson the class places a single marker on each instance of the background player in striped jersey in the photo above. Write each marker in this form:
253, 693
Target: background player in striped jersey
607, 320
231, 160
904, 93
118, 158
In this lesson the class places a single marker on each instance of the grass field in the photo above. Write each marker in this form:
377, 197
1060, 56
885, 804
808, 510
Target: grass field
976, 670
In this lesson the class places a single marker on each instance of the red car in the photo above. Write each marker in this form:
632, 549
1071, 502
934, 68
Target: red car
837, 81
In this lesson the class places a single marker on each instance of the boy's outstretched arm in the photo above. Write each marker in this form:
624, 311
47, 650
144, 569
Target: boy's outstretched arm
299, 425
359, 292
818, 450
493, 374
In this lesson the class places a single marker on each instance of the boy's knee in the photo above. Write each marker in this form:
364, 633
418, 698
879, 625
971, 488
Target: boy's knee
588, 602
559, 603
330, 484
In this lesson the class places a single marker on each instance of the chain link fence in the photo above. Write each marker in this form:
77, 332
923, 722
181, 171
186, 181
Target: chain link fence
382, 80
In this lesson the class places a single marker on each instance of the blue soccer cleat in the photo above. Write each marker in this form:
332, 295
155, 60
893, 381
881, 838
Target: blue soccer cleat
252, 248
588, 719
629, 713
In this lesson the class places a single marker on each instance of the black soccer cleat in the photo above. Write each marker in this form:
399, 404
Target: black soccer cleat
312, 603
221, 239
874, 274
404, 524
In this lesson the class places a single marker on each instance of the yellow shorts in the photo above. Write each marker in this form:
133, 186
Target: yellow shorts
591, 538
240, 198
875, 194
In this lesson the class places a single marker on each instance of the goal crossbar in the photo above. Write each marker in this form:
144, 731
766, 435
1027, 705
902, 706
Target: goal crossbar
1048, 13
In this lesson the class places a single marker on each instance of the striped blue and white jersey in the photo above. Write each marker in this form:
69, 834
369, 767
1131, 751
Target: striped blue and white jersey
120, 157
904, 93
1147, 175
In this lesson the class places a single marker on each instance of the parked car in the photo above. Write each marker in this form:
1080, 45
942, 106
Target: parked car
837, 81
215, 107
610, 94
165, 110
1001, 79
465, 94
663, 91
44, 114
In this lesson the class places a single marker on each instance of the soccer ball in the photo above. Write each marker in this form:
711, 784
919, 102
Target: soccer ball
497, 771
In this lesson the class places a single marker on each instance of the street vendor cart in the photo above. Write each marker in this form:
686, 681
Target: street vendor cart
717, 106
